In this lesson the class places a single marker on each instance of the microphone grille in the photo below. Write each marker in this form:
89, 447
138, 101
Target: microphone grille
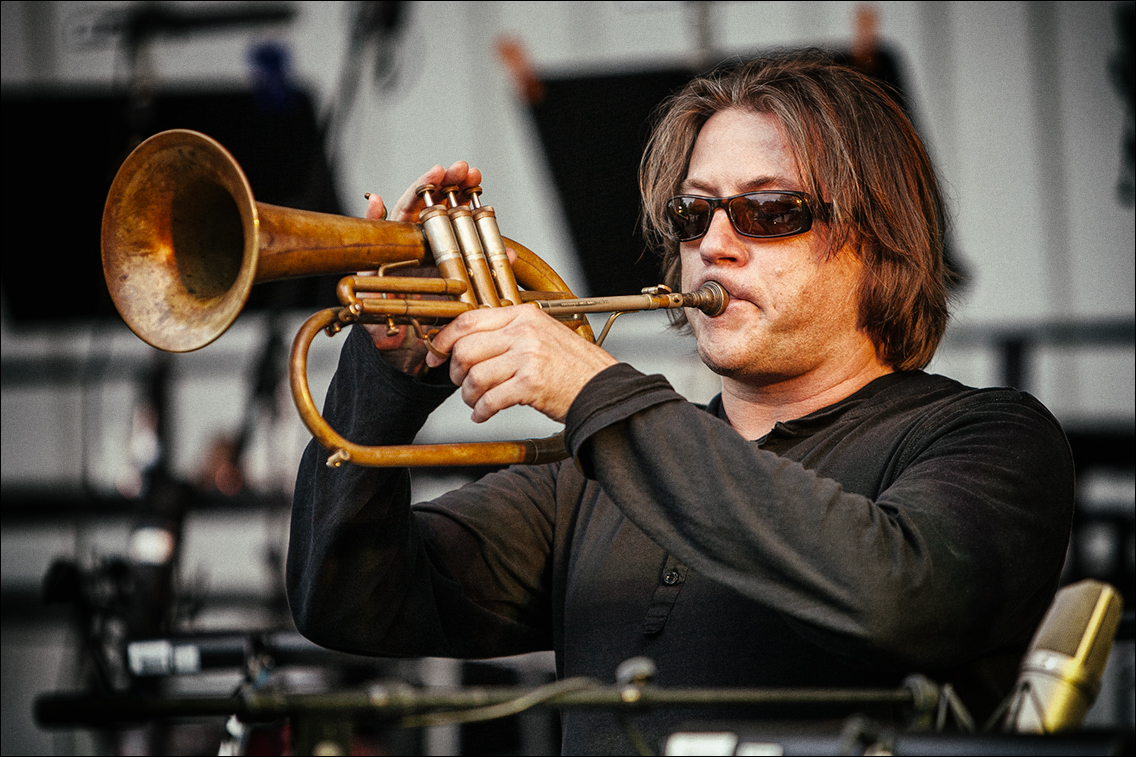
1081, 623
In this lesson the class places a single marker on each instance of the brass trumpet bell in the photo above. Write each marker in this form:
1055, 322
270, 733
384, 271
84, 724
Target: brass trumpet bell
184, 240
180, 241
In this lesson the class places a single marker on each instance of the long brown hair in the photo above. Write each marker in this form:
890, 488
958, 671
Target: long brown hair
857, 151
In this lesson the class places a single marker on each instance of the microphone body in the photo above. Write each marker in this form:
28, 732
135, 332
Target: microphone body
1062, 670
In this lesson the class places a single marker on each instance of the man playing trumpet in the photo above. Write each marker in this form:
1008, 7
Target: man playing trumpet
835, 517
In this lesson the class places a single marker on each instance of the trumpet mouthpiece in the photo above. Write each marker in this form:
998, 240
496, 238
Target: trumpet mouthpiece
711, 298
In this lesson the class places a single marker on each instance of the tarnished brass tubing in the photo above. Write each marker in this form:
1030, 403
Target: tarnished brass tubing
527, 296
443, 309
521, 452
296, 243
396, 285
711, 298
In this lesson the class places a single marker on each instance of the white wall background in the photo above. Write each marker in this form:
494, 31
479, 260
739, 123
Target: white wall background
1013, 98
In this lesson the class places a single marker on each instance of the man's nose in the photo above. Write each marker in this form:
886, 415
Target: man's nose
722, 245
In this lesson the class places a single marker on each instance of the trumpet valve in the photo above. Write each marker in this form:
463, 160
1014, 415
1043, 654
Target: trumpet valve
423, 191
451, 193
474, 195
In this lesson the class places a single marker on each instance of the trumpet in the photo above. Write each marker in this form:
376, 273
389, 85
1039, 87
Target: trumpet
184, 241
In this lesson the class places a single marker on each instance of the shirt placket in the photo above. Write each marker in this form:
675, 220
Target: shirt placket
671, 580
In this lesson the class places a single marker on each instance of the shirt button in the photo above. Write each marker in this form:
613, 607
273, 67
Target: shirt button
672, 578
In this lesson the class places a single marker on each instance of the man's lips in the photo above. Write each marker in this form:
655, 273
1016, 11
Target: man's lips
737, 296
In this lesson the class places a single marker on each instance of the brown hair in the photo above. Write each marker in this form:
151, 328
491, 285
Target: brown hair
857, 150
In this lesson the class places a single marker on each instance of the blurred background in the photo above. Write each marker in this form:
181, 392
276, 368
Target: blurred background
146, 495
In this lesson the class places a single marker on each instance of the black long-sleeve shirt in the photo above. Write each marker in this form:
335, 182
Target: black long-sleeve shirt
917, 525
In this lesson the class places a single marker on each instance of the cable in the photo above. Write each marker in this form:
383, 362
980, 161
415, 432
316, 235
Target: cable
504, 709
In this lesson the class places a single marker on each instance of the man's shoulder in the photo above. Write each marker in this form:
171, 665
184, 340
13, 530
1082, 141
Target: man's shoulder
871, 438
920, 405
930, 392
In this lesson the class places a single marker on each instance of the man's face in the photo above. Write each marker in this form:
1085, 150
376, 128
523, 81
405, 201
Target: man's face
792, 309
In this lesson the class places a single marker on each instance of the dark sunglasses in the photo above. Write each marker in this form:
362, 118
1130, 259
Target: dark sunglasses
761, 215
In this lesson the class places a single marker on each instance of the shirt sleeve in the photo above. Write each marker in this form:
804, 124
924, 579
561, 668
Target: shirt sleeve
956, 555
369, 574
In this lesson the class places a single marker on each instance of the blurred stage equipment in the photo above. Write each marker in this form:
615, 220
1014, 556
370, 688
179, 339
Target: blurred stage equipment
184, 240
134, 27
399, 704
324, 723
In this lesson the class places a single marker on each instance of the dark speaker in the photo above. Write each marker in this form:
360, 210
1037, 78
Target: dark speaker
594, 128
61, 150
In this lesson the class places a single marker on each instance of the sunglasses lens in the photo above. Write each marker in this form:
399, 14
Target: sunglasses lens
762, 215
769, 215
690, 217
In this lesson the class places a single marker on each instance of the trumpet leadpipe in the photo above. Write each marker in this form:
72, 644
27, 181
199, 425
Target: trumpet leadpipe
711, 298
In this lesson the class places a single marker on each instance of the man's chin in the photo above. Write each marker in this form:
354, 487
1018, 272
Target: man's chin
744, 368
725, 366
